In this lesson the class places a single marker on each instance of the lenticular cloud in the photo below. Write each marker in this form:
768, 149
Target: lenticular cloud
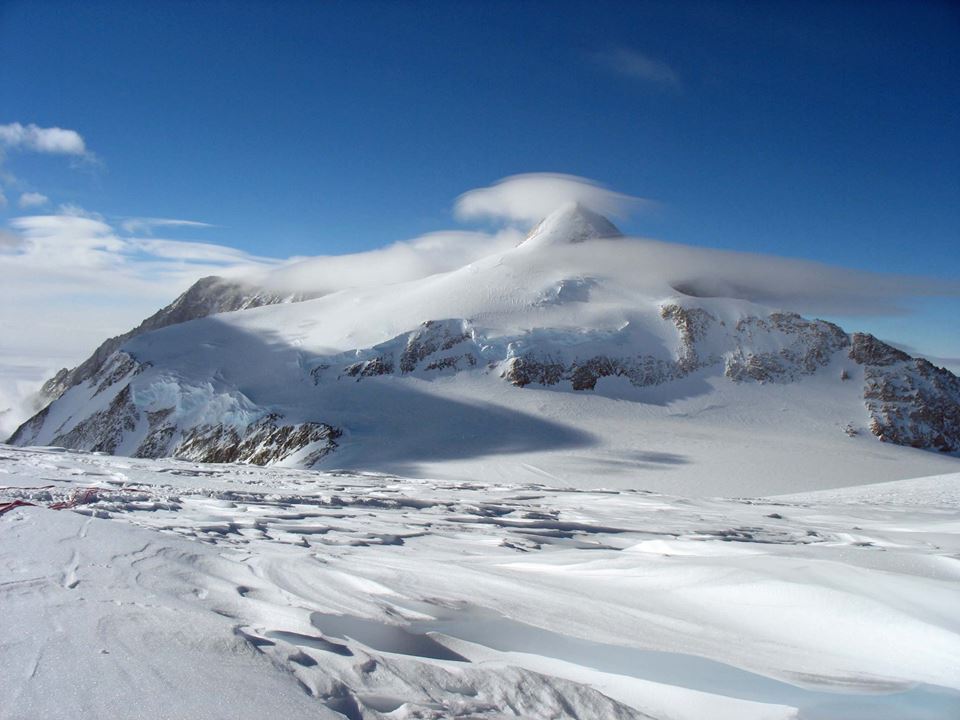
531, 197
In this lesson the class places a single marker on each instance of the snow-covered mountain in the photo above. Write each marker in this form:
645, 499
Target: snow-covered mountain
207, 296
566, 359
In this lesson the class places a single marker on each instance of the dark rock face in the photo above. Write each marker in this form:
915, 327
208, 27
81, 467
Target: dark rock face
120, 365
867, 350
641, 371
369, 368
692, 324
810, 345
207, 296
266, 440
25, 434
260, 443
530, 369
910, 400
103, 431
426, 349
432, 337
159, 436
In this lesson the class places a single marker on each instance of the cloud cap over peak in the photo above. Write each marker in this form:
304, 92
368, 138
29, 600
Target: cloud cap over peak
530, 197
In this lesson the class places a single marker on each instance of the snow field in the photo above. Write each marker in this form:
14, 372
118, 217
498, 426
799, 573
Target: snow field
173, 589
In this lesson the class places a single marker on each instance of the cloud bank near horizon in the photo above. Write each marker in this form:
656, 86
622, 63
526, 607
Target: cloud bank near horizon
71, 279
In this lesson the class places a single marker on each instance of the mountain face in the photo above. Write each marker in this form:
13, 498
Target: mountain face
207, 296
557, 360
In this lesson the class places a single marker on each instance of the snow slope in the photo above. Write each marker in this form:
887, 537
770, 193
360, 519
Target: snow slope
176, 589
568, 359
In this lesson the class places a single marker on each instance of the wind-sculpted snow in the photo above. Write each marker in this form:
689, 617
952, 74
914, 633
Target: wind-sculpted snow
177, 589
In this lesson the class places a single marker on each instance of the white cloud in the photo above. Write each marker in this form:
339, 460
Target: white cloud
66, 241
68, 281
44, 140
148, 225
531, 197
634, 64
802, 286
3, 199
407, 260
9, 240
32, 200
73, 242
77, 211
189, 251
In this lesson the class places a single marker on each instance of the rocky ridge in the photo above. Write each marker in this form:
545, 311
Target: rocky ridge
909, 401
207, 296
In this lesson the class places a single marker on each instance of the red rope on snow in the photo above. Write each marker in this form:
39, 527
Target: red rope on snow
6, 507
80, 496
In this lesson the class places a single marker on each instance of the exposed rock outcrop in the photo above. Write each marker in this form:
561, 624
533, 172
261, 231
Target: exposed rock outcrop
910, 401
867, 350
805, 347
103, 431
263, 442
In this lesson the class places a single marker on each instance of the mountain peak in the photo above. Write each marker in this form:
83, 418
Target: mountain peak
571, 223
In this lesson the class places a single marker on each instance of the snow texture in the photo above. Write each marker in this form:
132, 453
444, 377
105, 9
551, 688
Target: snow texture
165, 588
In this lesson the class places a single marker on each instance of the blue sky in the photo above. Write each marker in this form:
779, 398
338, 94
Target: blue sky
826, 131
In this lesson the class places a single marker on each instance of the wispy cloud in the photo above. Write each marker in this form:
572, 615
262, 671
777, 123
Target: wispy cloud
32, 200
149, 224
74, 240
33, 138
530, 197
71, 279
634, 64
402, 261
3, 200
190, 251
